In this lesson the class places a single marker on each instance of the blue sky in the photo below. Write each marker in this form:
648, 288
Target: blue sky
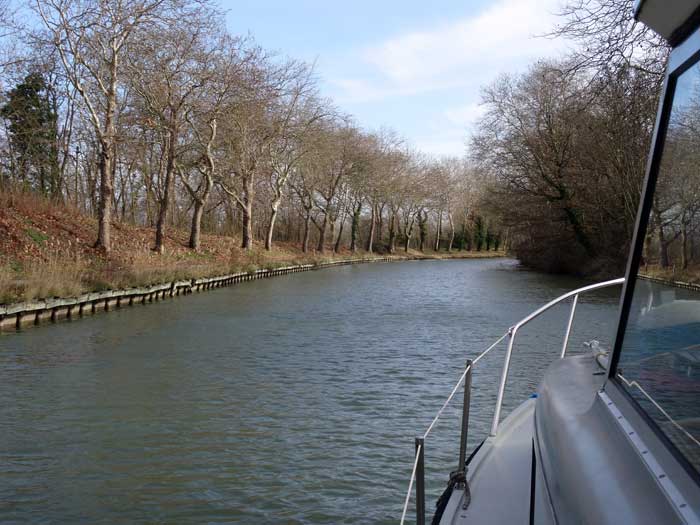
414, 66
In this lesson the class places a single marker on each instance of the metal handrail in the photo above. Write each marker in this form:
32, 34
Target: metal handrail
513, 330
466, 377
418, 469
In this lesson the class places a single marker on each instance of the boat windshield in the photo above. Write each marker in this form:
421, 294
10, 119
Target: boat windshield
659, 363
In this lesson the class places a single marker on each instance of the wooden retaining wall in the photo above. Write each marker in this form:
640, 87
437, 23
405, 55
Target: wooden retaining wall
20, 315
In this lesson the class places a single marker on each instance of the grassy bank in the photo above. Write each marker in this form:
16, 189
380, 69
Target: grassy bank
46, 251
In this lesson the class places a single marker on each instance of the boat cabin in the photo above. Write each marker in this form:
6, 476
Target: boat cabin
654, 372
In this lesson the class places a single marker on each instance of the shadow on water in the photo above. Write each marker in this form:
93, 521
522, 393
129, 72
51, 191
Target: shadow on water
290, 400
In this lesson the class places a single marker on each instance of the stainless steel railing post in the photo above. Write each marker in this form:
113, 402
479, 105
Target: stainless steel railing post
568, 326
420, 481
465, 417
504, 378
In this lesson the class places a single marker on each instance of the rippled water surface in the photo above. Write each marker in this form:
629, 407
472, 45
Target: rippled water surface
286, 400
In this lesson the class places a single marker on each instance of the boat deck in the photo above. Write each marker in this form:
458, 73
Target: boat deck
500, 477
568, 435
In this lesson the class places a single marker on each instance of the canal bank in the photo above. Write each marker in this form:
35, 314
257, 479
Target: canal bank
30, 313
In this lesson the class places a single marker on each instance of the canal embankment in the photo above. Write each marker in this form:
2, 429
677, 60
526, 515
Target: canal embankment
48, 257
50, 310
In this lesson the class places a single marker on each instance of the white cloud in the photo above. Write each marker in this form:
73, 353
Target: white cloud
464, 115
437, 73
465, 52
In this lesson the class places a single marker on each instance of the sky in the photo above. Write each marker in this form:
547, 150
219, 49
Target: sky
411, 65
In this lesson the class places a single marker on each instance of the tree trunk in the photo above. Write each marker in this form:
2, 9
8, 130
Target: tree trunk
372, 225
107, 154
355, 227
247, 219
208, 185
336, 248
579, 232
42, 181
169, 183
392, 232
422, 230
162, 214
464, 236
196, 224
93, 191
298, 230
684, 247
691, 248
438, 232
307, 228
380, 223
122, 196
331, 227
274, 207
104, 206
322, 234
199, 205
452, 232
409, 233
663, 244
247, 223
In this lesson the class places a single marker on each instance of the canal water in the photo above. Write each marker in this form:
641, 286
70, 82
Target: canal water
286, 400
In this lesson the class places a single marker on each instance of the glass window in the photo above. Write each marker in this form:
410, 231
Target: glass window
659, 364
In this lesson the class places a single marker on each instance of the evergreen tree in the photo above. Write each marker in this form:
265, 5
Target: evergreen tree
33, 128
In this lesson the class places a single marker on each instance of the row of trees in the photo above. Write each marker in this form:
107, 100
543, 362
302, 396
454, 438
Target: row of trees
563, 147
148, 111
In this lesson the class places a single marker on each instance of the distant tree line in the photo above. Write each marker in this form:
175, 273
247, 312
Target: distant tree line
150, 112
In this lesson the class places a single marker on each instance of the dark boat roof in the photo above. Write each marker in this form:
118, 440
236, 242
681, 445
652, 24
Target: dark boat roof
672, 19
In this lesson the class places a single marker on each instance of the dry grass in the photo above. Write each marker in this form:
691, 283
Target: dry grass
46, 250
67, 275
53, 278
147, 267
43, 279
9, 291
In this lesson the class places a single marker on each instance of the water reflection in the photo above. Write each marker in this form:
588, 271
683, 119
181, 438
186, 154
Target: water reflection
672, 235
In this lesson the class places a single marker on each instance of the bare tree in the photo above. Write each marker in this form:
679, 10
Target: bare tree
91, 38
170, 68
254, 123
332, 164
299, 111
607, 36
206, 167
